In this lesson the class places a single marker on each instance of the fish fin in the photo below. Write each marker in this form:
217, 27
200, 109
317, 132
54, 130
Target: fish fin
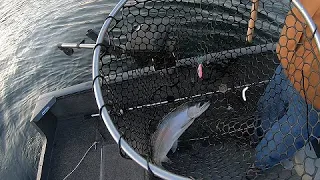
167, 160
153, 136
174, 146
160, 166
196, 110
157, 162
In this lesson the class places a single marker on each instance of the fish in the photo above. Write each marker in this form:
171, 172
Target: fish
171, 127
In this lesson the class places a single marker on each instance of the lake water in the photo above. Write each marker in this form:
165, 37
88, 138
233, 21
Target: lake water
31, 64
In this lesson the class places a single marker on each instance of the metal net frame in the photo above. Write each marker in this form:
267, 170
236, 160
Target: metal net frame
261, 81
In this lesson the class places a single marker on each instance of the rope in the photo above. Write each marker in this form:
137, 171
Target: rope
111, 18
149, 169
304, 90
123, 155
85, 154
104, 52
95, 78
307, 109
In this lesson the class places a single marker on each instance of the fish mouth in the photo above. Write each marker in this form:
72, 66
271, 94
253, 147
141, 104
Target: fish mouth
197, 109
203, 105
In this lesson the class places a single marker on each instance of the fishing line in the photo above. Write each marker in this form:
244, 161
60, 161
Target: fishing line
85, 154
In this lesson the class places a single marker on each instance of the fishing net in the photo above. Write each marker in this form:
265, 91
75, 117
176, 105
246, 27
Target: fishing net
263, 119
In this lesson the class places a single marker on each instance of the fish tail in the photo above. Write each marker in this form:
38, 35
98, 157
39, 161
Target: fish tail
157, 162
196, 110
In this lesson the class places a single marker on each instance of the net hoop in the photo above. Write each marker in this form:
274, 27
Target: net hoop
105, 115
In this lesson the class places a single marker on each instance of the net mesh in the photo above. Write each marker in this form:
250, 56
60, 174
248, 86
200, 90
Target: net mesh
152, 68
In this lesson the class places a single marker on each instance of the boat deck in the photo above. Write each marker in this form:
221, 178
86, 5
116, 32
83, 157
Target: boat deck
73, 138
75, 133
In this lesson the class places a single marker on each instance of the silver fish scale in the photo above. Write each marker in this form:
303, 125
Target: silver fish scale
175, 112
171, 128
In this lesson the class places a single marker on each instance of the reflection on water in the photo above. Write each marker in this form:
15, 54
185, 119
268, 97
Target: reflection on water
31, 64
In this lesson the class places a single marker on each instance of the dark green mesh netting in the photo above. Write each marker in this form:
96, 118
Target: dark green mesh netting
152, 67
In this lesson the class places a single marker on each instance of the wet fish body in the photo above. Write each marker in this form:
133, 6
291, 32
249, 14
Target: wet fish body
172, 127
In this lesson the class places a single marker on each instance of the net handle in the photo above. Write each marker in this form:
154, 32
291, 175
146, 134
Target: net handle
106, 117
252, 20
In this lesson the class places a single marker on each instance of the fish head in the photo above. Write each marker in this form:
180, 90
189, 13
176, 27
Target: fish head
197, 109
